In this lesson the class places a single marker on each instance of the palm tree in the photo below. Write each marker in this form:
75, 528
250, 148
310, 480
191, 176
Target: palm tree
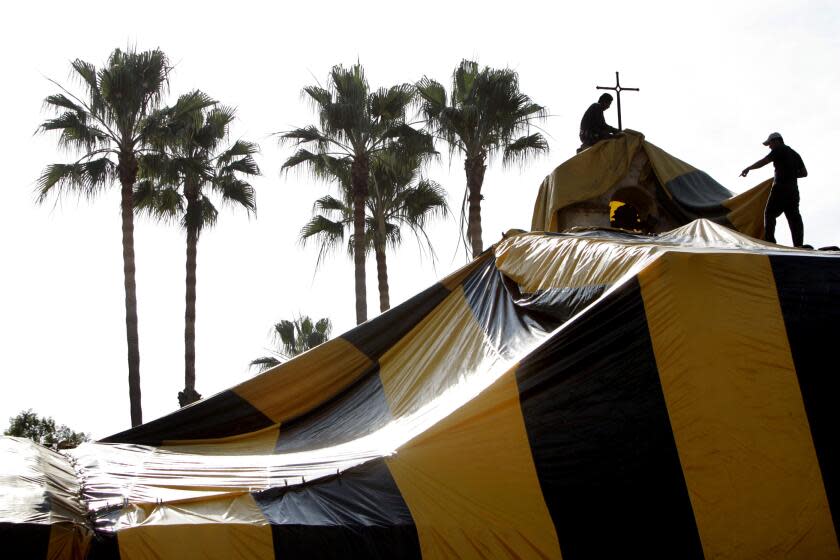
399, 197
486, 113
192, 161
294, 337
108, 125
356, 124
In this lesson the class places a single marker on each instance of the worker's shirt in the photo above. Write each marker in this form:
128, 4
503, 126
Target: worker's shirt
593, 120
786, 162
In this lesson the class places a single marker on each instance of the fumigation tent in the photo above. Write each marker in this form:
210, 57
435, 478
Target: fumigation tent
592, 394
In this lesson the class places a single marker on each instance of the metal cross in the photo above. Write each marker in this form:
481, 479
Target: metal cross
618, 89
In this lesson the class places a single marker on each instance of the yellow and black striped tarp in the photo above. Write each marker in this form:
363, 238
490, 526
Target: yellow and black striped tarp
587, 395
41, 515
687, 192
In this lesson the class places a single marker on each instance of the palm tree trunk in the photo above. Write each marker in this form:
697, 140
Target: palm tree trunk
359, 179
475, 169
189, 394
381, 265
127, 170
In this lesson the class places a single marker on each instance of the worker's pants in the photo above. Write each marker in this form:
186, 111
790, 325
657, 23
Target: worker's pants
784, 198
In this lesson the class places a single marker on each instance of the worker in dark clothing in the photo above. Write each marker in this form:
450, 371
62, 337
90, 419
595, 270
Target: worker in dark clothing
593, 127
784, 195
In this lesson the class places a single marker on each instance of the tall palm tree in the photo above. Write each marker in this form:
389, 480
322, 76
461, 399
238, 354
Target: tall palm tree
193, 161
108, 125
399, 197
294, 337
485, 114
356, 124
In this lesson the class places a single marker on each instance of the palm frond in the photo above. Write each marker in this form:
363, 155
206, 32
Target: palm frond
200, 214
161, 168
463, 80
431, 96
389, 104
411, 144
61, 101
322, 166
333, 169
245, 165
87, 75
86, 72
523, 147
322, 228
304, 135
301, 156
181, 123
265, 363
236, 192
239, 148
76, 132
330, 204
162, 203
192, 104
346, 123
426, 199
284, 335
350, 85
327, 233
88, 178
324, 326
132, 84
219, 119
319, 96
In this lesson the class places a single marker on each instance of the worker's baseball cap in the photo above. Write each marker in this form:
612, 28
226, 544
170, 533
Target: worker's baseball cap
773, 136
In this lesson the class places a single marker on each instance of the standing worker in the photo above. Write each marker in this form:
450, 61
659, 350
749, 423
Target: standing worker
593, 127
784, 194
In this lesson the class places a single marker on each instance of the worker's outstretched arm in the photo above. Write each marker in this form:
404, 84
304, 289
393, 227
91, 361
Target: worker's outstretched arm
760, 163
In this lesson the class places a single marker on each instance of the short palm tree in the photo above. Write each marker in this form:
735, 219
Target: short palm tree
192, 162
399, 197
356, 124
108, 126
485, 114
294, 337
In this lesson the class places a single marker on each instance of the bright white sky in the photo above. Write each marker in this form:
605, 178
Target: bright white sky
715, 78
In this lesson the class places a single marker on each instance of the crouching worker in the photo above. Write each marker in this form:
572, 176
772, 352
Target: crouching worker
784, 195
593, 127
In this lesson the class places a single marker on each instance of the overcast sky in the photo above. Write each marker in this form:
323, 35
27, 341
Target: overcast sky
715, 79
